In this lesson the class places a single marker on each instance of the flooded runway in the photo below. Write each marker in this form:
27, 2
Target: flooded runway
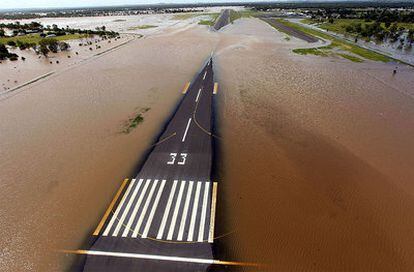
314, 160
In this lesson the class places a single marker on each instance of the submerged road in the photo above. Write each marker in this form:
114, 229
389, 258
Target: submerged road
163, 219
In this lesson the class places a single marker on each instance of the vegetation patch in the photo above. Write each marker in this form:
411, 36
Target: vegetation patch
141, 27
36, 38
185, 16
350, 57
340, 44
134, 121
211, 21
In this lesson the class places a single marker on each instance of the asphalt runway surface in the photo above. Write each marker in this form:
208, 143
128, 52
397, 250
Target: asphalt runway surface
222, 20
163, 219
291, 31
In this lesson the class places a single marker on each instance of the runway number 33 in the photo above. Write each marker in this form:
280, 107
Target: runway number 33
181, 161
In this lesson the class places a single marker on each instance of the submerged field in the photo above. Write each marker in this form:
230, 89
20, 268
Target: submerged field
314, 160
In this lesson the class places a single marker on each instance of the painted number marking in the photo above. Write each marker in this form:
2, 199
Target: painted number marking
183, 157
181, 161
173, 156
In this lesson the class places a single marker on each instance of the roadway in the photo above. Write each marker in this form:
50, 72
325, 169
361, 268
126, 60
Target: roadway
163, 219
222, 20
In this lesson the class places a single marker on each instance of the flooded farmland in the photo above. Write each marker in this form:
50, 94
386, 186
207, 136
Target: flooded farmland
315, 155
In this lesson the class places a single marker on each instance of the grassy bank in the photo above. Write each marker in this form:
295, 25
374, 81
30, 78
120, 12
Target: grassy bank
141, 27
35, 38
339, 44
211, 21
340, 25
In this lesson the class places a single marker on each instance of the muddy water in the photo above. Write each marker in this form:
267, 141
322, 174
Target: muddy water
315, 161
62, 155
317, 156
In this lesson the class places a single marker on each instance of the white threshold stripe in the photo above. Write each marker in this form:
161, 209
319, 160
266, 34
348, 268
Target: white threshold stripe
213, 212
185, 211
198, 95
154, 208
204, 77
128, 206
203, 212
149, 257
167, 211
194, 213
115, 215
135, 210
176, 209
144, 210
186, 129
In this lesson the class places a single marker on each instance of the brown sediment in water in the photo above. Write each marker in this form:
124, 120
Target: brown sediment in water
317, 157
62, 155
316, 152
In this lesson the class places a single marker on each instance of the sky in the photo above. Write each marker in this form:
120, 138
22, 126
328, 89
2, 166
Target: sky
20, 4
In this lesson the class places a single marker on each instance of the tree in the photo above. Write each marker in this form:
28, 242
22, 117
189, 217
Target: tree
44, 50
64, 46
2, 34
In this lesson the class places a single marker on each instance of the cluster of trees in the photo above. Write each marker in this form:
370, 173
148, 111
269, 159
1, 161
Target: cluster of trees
19, 28
382, 15
390, 31
51, 45
5, 54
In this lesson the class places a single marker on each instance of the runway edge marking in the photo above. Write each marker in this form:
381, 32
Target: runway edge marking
186, 87
213, 212
111, 206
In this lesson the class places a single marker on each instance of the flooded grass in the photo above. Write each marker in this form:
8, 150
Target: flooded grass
35, 38
340, 44
134, 121
142, 27
350, 57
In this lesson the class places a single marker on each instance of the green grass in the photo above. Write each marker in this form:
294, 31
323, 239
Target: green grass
206, 22
339, 25
234, 15
141, 27
349, 57
340, 44
185, 16
35, 38
134, 121
211, 21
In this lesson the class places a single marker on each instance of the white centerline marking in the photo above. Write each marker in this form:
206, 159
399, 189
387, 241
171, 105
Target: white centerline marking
176, 209
186, 130
115, 215
203, 212
184, 215
154, 208
204, 77
198, 95
194, 213
167, 211
128, 206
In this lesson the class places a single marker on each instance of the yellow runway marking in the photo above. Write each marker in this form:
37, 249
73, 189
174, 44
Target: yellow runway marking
108, 211
212, 212
187, 85
215, 90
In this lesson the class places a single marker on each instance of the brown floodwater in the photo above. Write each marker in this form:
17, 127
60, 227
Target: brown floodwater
315, 159
62, 153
